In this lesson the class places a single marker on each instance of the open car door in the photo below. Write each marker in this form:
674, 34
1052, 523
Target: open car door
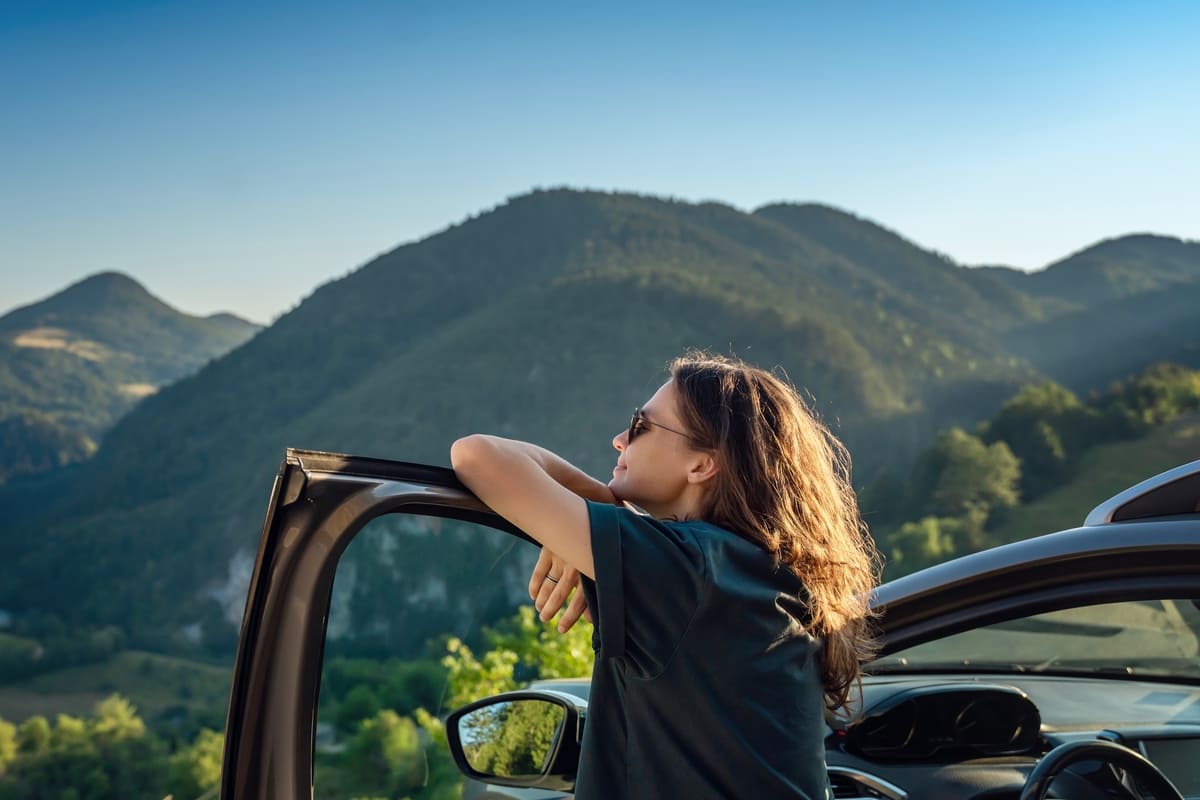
319, 502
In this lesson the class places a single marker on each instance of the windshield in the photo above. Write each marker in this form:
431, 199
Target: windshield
1159, 638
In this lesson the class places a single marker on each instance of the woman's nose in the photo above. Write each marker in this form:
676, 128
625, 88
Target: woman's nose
619, 441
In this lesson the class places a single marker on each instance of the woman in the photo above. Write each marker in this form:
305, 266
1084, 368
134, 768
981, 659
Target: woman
731, 614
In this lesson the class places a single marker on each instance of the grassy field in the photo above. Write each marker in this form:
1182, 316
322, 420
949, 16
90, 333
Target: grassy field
160, 686
10, 642
1104, 471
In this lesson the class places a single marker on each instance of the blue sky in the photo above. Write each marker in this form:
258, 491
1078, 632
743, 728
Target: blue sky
235, 156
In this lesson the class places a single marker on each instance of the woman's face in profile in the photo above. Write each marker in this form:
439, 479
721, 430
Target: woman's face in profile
652, 468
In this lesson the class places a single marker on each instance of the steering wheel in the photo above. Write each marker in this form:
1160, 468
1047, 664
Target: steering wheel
1063, 756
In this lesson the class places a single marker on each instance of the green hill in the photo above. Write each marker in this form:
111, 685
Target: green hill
546, 318
1116, 268
32, 443
958, 295
1102, 472
72, 364
1162, 322
162, 688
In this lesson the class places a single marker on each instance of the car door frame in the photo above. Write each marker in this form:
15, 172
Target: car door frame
319, 502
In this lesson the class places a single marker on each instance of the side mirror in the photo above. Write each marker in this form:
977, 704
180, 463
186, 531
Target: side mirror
527, 739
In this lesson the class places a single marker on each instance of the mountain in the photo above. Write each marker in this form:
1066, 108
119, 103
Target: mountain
941, 285
1114, 269
1161, 325
1131, 299
547, 318
71, 364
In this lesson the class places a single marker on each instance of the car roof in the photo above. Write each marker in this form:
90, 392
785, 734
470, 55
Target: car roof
1171, 493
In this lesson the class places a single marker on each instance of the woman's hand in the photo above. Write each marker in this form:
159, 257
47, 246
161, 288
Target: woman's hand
552, 581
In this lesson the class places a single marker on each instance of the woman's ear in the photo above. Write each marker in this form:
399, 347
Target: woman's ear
703, 467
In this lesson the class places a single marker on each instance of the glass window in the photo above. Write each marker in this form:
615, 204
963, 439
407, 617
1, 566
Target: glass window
1150, 638
405, 644
427, 614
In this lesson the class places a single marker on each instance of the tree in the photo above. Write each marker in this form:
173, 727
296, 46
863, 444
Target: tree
918, 544
932, 540
69, 733
511, 739
359, 703
387, 755
1157, 396
116, 720
471, 678
961, 474
196, 769
410, 685
8, 744
1045, 426
33, 736
106, 757
522, 639
540, 647
445, 781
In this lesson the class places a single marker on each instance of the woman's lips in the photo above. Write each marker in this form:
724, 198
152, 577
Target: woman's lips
618, 468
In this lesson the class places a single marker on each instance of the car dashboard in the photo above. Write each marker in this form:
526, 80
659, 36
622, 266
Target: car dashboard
955, 737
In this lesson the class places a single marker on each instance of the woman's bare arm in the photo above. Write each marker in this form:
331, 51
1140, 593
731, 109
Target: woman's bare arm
535, 490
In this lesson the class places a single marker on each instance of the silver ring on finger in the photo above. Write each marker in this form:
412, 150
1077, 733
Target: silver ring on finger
552, 580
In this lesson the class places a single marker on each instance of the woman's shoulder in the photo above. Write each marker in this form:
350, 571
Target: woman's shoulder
715, 535
740, 553
634, 528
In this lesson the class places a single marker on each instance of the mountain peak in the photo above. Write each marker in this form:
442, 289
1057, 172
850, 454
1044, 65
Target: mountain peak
820, 208
102, 293
1131, 245
229, 318
105, 288
820, 221
1120, 267
92, 349
108, 281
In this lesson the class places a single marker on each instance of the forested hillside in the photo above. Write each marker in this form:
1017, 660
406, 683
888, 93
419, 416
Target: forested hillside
1040, 464
548, 318
72, 364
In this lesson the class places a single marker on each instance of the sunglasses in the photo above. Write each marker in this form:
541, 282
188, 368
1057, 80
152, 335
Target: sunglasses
639, 425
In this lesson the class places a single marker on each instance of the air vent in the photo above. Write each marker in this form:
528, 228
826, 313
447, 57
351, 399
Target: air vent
850, 784
846, 788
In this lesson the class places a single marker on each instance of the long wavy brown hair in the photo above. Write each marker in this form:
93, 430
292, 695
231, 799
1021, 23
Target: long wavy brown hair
784, 483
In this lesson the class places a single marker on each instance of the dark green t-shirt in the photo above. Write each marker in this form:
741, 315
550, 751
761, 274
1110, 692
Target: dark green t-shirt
706, 684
